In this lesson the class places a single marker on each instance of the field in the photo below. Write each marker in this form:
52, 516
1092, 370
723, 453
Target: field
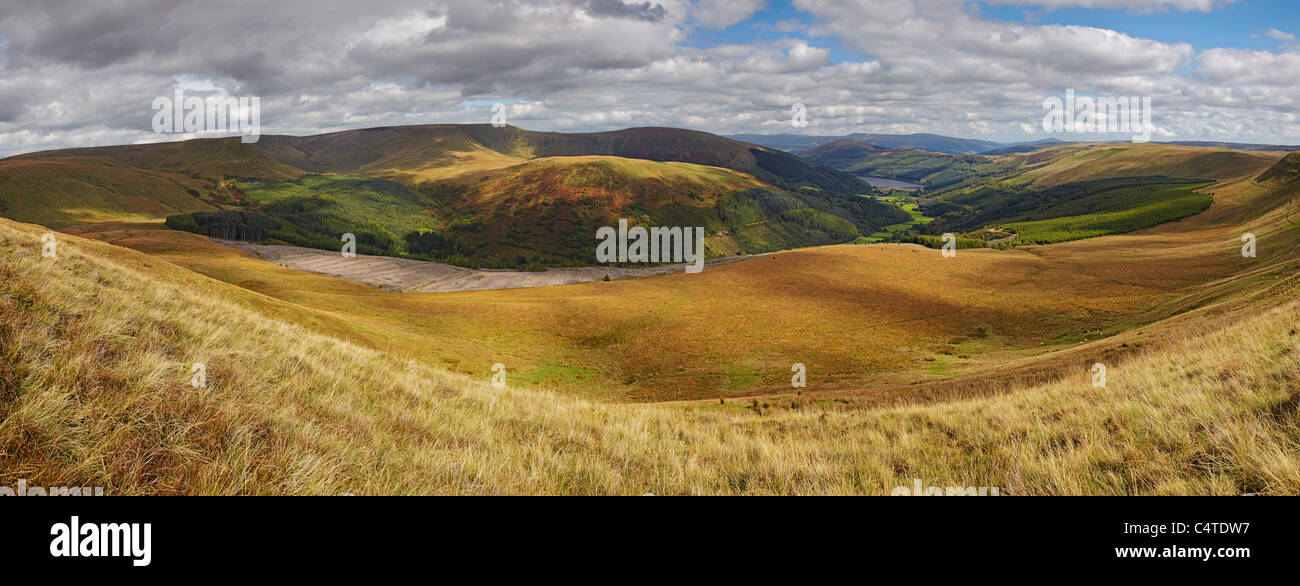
1048, 195
1070, 211
1134, 209
891, 232
95, 392
970, 370
880, 321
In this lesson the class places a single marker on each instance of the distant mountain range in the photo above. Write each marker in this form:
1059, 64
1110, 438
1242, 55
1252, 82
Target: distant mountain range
930, 142
801, 143
1237, 146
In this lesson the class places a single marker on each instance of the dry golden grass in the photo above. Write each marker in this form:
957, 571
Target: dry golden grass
97, 344
863, 318
1071, 163
453, 164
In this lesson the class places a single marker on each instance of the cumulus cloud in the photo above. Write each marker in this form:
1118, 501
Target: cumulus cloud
1238, 67
720, 14
1138, 6
79, 74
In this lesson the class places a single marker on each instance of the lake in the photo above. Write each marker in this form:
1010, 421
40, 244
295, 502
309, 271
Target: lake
894, 183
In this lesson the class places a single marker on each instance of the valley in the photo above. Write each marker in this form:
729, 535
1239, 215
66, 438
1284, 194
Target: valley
417, 276
912, 357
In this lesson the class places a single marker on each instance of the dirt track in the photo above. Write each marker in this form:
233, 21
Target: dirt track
398, 274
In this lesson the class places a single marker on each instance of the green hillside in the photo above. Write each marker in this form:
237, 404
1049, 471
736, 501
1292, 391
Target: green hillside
469, 194
541, 213
1067, 212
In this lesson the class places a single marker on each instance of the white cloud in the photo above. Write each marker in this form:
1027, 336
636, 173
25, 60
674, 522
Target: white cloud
1140, 6
1239, 67
1279, 35
720, 14
80, 75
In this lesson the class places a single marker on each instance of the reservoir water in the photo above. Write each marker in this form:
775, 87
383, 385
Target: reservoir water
894, 183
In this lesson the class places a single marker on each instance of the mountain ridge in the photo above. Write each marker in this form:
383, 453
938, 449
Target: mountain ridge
436, 191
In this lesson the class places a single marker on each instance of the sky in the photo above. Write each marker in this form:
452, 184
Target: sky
87, 73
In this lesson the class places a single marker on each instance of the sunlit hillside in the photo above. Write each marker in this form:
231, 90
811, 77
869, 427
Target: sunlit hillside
98, 348
965, 371
879, 322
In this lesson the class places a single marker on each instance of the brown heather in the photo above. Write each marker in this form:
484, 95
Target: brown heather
96, 348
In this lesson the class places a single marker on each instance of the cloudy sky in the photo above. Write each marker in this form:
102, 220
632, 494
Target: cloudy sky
83, 73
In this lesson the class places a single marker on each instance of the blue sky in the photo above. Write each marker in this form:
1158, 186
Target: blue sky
764, 27
1241, 54
1238, 25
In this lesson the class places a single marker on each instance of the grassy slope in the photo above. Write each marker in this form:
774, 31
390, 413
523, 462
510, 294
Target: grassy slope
1069, 211
96, 347
664, 176
1115, 212
862, 317
1074, 163
413, 152
409, 154
556, 204
938, 172
127, 183
207, 157
994, 197
68, 191
92, 392
1045, 167
1009, 201
547, 210
878, 315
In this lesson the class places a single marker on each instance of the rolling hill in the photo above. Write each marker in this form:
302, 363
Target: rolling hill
406, 150
128, 183
316, 386
1052, 193
936, 172
474, 195
1285, 173
973, 368
871, 317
